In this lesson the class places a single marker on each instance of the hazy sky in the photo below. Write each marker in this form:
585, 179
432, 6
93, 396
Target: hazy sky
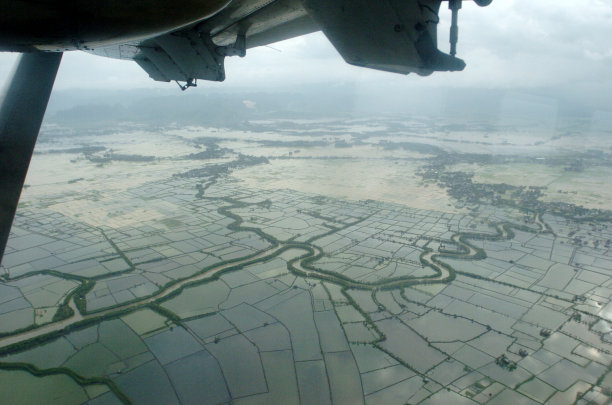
511, 44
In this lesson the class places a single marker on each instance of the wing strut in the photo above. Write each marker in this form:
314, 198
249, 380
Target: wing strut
21, 114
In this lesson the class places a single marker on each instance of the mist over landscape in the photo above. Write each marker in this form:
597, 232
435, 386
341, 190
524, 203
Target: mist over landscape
315, 101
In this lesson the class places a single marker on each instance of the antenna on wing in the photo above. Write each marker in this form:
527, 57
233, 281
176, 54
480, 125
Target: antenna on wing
454, 6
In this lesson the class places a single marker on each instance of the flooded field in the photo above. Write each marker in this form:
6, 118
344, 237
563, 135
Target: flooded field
353, 179
307, 262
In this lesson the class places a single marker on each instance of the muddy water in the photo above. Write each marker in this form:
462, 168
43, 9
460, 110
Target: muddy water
354, 179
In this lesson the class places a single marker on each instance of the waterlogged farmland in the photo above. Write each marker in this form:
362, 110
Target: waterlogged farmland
289, 263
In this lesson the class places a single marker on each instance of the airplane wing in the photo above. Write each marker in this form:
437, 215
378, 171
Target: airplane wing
198, 51
187, 40
393, 35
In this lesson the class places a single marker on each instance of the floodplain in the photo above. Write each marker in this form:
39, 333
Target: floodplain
308, 262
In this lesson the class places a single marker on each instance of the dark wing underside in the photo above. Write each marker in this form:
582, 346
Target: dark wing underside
198, 51
393, 35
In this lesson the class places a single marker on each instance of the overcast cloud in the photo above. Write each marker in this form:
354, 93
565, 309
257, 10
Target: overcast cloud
512, 44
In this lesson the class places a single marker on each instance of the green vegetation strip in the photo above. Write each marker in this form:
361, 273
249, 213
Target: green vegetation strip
306, 260
66, 371
39, 340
